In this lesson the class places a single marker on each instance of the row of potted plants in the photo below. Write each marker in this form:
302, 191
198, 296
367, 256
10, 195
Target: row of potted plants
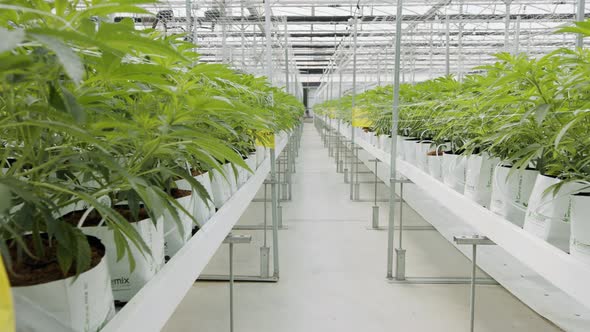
513, 137
116, 143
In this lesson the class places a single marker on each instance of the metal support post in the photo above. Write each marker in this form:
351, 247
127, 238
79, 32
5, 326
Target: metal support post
580, 18
375, 219
287, 89
290, 167
265, 250
400, 252
474, 241
460, 44
395, 118
447, 45
273, 165
345, 161
284, 194
231, 240
517, 36
352, 168
507, 26
275, 212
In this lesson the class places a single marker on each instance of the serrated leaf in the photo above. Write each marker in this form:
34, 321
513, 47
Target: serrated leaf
10, 39
541, 112
71, 61
73, 106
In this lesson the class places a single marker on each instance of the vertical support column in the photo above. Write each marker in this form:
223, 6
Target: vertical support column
287, 193
394, 127
287, 80
400, 267
189, 18
447, 46
339, 141
375, 219
460, 42
231, 287
273, 163
431, 49
242, 36
507, 26
412, 58
517, 36
265, 250
379, 68
223, 33
352, 147
472, 302
580, 17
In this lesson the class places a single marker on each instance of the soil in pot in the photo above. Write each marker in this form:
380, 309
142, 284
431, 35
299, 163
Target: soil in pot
94, 218
196, 172
31, 271
435, 153
179, 193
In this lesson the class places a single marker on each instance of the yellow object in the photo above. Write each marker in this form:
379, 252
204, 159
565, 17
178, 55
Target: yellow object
266, 139
332, 113
360, 118
6, 307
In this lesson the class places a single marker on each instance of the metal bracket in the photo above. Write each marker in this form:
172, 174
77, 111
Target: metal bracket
473, 240
237, 239
405, 228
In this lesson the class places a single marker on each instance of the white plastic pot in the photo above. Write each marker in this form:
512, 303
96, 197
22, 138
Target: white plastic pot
422, 149
385, 143
409, 148
125, 283
372, 139
580, 218
454, 171
251, 162
548, 214
510, 195
203, 210
400, 147
175, 238
231, 177
479, 177
244, 174
84, 303
220, 187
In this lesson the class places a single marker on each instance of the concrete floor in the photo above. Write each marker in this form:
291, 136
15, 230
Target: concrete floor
332, 271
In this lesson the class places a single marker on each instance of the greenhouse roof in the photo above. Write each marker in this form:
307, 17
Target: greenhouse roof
439, 36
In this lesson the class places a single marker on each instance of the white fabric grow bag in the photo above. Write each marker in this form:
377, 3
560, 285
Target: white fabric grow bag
510, 195
580, 237
548, 215
84, 304
125, 283
454, 171
479, 177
